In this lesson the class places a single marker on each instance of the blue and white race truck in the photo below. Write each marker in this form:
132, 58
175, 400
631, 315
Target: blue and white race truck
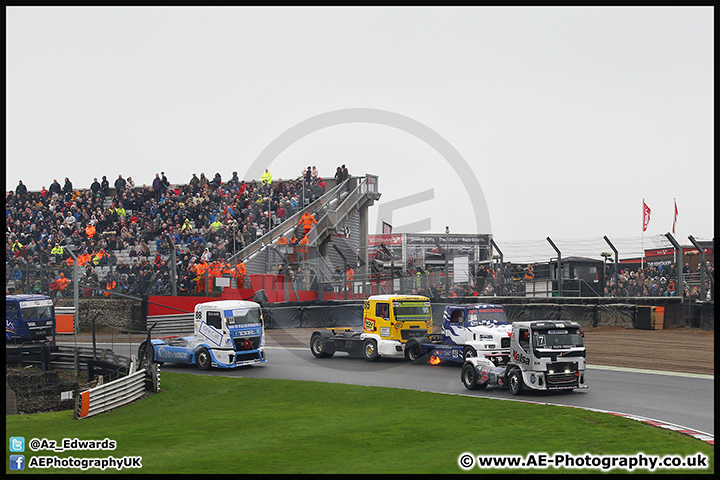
29, 318
467, 331
228, 334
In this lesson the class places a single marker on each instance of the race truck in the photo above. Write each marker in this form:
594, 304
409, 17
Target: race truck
389, 321
228, 334
467, 331
546, 355
29, 319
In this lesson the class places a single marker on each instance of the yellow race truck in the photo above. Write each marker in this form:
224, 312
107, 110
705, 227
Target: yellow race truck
389, 321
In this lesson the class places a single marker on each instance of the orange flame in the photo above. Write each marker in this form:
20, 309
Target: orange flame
434, 360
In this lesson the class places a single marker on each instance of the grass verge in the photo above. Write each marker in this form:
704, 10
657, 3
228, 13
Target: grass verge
212, 424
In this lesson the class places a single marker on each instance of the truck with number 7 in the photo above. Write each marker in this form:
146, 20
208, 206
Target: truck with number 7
227, 334
546, 355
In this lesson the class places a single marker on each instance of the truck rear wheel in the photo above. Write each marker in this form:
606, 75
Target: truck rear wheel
370, 350
316, 347
202, 358
514, 381
143, 350
150, 353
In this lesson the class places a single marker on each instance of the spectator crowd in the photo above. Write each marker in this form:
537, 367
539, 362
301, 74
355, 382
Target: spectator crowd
208, 221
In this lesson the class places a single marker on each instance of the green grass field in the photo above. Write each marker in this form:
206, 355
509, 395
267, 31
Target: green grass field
211, 424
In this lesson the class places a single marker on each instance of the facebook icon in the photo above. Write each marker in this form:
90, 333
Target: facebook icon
17, 462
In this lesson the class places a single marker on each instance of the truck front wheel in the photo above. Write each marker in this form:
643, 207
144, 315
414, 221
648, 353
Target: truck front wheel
469, 352
370, 350
469, 377
202, 358
514, 381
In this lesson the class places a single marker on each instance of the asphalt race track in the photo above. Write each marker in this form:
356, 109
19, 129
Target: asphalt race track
685, 401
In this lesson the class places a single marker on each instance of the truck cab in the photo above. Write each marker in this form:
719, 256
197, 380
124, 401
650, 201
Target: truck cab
545, 355
481, 329
468, 330
29, 319
227, 334
389, 321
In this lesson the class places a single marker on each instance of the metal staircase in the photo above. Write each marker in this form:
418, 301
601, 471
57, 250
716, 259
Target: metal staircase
339, 224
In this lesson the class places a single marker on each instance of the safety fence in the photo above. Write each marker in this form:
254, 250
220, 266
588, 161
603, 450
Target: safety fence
118, 382
180, 324
117, 393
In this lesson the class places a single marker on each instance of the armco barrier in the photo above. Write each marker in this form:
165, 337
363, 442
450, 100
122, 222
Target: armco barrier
111, 395
179, 324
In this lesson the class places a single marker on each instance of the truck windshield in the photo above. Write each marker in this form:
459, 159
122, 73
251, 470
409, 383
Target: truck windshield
242, 316
557, 338
412, 310
36, 312
486, 316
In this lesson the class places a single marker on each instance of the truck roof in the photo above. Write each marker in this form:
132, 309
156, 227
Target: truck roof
24, 297
473, 305
397, 297
548, 323
227, 304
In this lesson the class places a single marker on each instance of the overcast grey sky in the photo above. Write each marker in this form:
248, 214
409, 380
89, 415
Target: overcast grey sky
567, 117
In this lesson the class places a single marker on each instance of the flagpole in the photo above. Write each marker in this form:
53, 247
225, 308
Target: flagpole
642, 238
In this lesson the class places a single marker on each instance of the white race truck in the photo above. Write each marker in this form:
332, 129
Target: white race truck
228, 334
546, 355
467, 331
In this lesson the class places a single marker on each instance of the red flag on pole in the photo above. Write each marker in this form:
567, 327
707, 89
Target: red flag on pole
675, 219
386, 227
646, 215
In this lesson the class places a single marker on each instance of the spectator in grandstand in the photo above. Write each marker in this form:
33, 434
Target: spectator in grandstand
164, 183
234, 181
105, 186
216, 182
68, 189
120, 184
266, 178
157, 187
55, 187
95, 186
21, 189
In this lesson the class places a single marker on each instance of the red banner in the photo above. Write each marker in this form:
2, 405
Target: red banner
646, 215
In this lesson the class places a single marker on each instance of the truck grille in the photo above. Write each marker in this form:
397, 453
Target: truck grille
560, 378
244, 357
252, 343
416, 332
